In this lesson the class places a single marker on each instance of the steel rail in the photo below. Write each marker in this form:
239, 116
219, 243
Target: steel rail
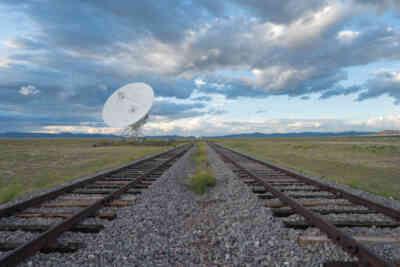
366, 257
393, 213
49, 237
18, 207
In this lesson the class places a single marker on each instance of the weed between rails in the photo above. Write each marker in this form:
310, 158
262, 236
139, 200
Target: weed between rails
203, 176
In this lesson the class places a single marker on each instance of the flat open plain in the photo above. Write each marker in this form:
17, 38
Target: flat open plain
29, 165
370, 164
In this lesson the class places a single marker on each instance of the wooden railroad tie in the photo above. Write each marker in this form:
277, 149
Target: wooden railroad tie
306, 240
349, 264
69, 247
380, 224
101, 186
115, 182
300, 189
79, 198
270, 196
82, 228
309, 204
288, 212
101, 215
119, 179
294, 182
289, 184
103, 192
87, 204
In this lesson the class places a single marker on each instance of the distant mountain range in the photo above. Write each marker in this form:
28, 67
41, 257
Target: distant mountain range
389, 133
300, 134
245, 135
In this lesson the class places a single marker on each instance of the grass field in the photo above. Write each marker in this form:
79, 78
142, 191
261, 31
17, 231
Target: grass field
28, 165
370, 164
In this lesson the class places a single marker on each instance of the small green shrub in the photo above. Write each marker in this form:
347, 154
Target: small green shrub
201, 180
203, 177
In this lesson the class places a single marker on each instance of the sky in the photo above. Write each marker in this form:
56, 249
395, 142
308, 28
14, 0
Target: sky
216, 67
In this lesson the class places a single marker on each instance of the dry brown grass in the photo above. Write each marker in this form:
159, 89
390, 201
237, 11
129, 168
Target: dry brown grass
371, 164
28, 165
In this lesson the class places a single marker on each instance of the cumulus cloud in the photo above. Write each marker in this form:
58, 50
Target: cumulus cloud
199, 82
214, 127
347, 36
29, 90
295, 56
382, 123
79, 52
54, 129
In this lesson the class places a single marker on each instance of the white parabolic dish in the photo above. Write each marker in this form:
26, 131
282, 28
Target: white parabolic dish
128, 105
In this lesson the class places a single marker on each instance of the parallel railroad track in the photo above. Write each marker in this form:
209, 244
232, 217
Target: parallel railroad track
82, 199
313, 201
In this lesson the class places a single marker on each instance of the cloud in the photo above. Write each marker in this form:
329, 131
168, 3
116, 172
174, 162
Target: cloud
79, 52
341, 90
77, 129
383, 82
202, 98
301, 54
280, 11
28, 90
213, 127
391, 122
174, 110
379, 5
347, 36
199, 82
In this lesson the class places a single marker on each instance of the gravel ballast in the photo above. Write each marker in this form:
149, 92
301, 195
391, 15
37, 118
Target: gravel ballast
170, 225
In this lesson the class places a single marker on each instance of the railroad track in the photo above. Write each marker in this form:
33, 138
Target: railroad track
77, 202
311, 203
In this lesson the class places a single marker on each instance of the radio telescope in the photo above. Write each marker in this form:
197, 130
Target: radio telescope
128, 108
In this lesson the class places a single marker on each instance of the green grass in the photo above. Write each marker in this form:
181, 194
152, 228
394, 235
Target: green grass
9, 192
29, 165
370, 164
203, 176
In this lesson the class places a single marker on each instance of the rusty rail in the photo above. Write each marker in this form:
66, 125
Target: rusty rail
366, 256
49, 237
